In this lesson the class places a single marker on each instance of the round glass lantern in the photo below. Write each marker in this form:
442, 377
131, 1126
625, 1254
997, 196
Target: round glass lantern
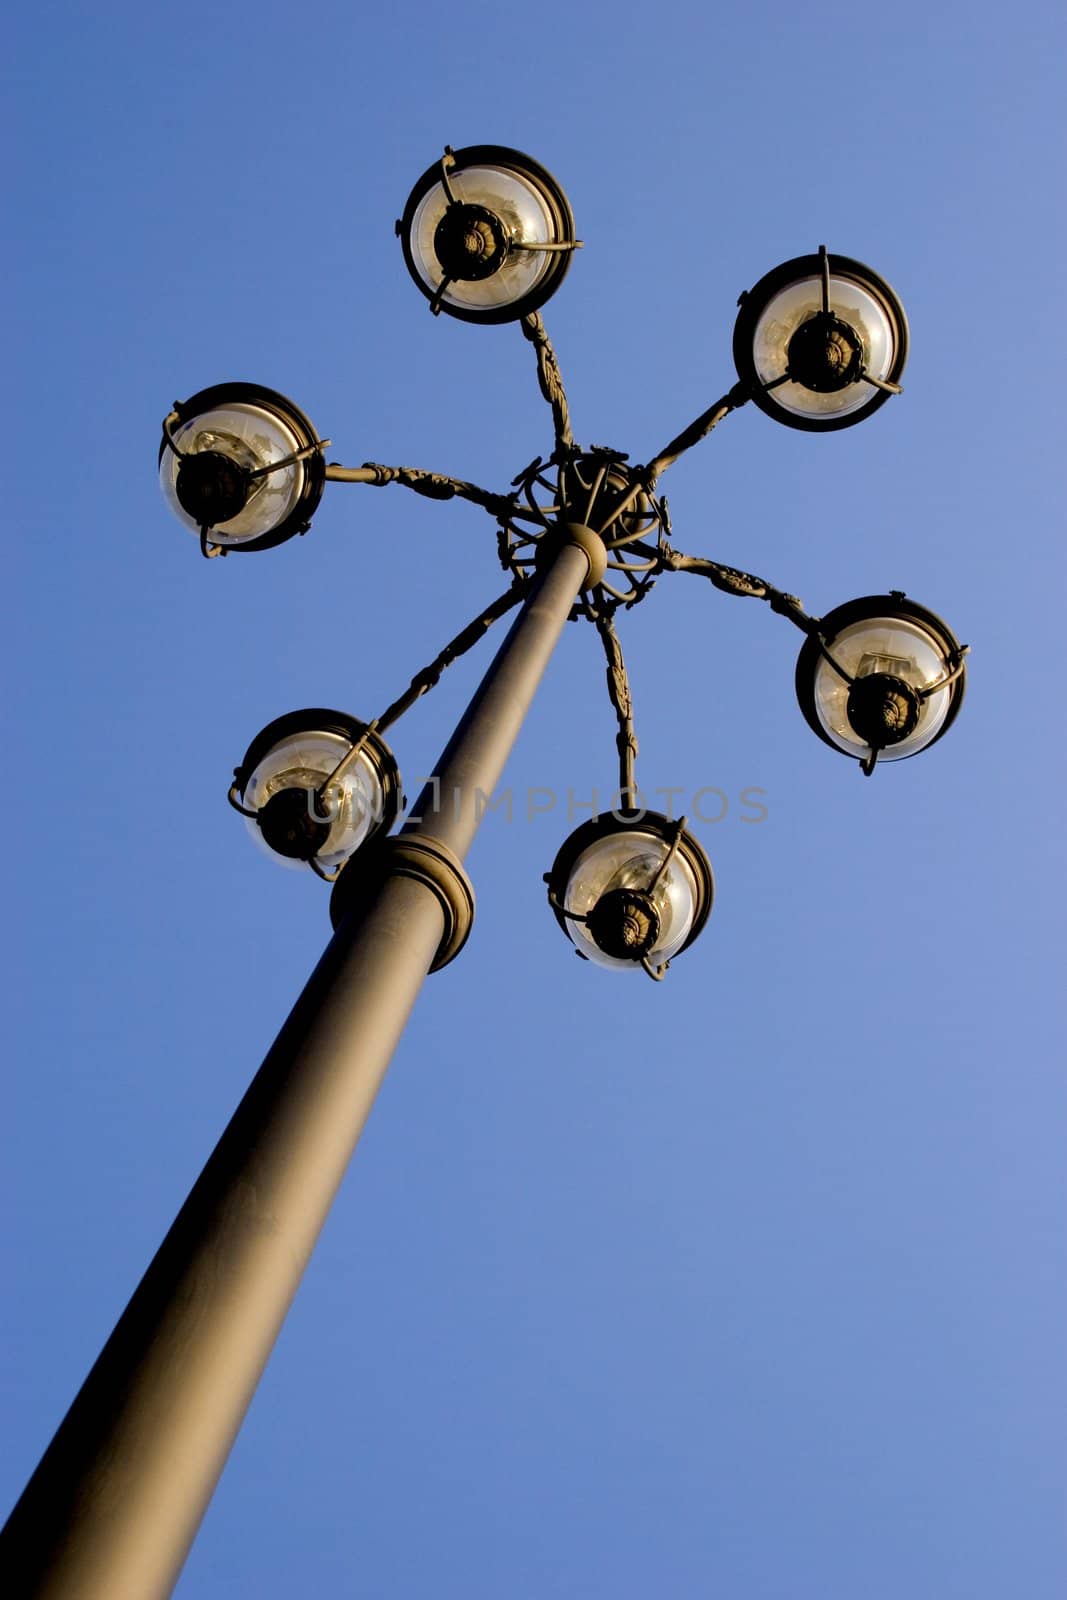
241, 466
631, 889
315, 786
821, 342
487, 234
880, 679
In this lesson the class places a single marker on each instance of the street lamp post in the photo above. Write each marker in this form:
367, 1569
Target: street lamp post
487, 236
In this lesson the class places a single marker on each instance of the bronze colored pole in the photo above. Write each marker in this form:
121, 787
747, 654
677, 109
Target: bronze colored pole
114, 1505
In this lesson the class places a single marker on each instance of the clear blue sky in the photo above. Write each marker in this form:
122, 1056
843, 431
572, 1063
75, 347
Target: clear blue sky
749, 1284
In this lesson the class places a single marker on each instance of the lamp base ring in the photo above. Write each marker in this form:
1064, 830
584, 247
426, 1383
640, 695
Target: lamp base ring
429, 862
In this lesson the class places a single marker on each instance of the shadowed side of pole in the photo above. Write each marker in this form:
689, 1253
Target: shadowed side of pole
115, 1503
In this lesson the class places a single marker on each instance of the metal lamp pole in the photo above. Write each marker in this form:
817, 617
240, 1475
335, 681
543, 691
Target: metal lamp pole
114, 1505
819, 344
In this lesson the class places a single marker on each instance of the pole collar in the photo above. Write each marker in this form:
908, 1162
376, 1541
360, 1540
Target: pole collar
577, 533
429, 862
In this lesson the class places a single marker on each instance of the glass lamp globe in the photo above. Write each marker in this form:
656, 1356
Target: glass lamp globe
316, 785
242, 465
631, 889
487, 234
881, 680
820, 342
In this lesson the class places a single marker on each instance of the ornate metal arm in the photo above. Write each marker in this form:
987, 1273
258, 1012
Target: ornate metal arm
551, 382
697, 430
732, 581
425, 680
434, 485
644, 478
619, 690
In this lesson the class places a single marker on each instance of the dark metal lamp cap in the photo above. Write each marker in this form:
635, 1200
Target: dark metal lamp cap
625, 924
211, 487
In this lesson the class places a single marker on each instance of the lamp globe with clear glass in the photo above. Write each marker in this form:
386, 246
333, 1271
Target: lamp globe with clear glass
631, 890
881, 678
241, 466
316, 786
487, 234
820, 342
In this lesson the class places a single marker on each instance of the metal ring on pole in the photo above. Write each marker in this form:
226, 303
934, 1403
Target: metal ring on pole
586, 540
429, 862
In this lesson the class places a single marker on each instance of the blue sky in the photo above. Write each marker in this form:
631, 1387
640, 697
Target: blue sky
749, 1283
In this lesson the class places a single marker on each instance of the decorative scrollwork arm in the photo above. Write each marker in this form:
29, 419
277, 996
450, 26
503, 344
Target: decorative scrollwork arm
622, 702
697, 430
731, 580
434, 485
465, 640
551, 381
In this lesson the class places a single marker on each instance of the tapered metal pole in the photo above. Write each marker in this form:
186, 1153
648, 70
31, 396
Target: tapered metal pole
116, 1501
